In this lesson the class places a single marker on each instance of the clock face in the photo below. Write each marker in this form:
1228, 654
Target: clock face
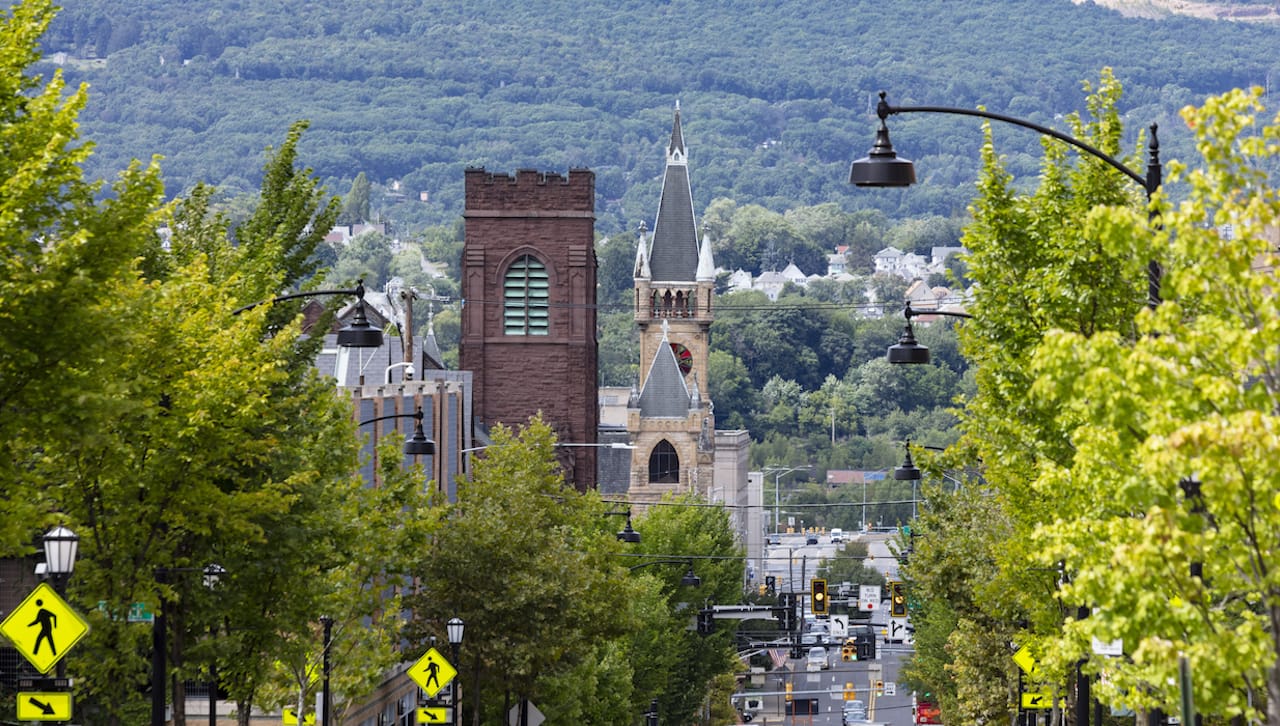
683, 357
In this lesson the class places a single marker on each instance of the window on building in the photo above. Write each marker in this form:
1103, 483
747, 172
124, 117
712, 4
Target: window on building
526, 293
664, 464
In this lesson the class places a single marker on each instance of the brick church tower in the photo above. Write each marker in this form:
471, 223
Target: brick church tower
669, 417
529, 316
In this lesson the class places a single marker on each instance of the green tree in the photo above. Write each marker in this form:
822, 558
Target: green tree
355, 207
67, 271
525, 562
1173, 437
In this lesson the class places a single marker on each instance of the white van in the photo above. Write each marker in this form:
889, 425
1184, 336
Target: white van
817, 660
837, 535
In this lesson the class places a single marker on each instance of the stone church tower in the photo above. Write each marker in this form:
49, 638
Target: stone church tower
529, 319
669, 417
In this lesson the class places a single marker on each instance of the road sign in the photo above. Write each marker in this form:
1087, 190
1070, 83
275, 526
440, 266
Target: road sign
534, 717
44, 706
890, 688
868, 598
1037, 700
290, 717
432, 672
44, 627
1027, 662
433, 714
896, 631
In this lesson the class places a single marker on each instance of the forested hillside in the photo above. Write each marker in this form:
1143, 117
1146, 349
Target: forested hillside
777, 96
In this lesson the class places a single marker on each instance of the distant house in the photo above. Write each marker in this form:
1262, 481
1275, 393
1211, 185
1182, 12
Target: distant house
342, 233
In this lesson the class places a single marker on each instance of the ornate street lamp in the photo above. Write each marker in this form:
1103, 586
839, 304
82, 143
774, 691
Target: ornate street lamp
907, 350
359, 333
454, 629
60, 545
882, 167
416, 445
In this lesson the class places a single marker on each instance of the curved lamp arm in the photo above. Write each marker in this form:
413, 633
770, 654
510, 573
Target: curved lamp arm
907, 349
416, 445
688, 580
359, 333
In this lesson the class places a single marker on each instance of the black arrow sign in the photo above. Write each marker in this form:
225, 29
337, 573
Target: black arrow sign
432, 715
45, 708
1035, 700
896, 628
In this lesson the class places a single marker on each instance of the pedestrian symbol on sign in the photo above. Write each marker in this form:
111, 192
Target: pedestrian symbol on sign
43, 627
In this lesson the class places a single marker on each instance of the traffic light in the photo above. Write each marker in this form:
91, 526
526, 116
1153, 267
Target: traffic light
818, 595
897, 600
849, 653
770, 584
706, 622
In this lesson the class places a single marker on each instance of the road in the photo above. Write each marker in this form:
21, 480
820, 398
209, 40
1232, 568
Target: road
793, 561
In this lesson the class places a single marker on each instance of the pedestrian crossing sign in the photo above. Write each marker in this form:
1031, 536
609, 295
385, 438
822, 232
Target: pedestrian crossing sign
44, 627
432, 672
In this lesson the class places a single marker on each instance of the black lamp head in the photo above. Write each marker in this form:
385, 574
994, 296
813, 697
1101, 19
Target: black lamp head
881, 167
628, 534
690, 579
418, 444
908, 471
359, 333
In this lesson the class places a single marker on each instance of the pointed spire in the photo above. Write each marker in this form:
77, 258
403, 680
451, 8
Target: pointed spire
642, 255
673, 251
706, 265
675, 150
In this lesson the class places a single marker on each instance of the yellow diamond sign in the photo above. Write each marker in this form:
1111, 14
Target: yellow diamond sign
44, 627
432, 672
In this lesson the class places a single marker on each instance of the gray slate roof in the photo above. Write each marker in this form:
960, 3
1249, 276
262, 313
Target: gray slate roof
665, 394
673, 254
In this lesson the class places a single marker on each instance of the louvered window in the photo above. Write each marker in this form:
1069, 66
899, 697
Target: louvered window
526, 292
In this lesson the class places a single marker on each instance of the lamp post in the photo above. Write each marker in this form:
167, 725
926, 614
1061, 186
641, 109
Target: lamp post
212, 574
454, 629
628, 533
883, 168
159, 636
326, 700
60, 545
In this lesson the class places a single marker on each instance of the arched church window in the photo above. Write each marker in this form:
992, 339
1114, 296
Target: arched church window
526, 294
664, 464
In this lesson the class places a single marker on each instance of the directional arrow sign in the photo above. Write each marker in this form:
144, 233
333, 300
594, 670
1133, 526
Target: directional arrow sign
44, 627
44, 706
432, 672
433, 714
1041, 700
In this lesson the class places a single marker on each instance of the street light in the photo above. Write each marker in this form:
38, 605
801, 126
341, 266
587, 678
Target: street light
454, 629
689, 579
60, 545
628, 534
907, 350
778, 473
883, 168
416, 445
212, 574
326, 701
159, 636
359, 333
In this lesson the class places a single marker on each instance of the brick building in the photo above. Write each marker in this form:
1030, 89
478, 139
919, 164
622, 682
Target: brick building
529, 316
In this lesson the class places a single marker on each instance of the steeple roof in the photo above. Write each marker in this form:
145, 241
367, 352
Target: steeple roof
673, 254
665, 394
